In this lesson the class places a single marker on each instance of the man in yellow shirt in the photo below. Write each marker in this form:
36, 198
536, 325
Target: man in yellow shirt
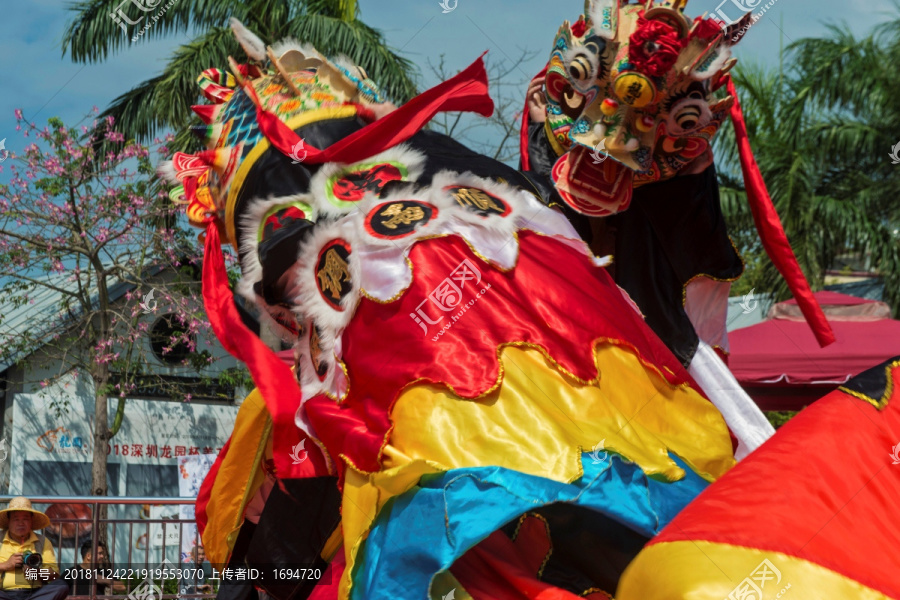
23, 576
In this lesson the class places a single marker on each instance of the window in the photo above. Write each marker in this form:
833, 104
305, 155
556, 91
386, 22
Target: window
167, 340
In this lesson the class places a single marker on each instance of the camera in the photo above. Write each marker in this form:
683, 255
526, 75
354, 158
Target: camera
32, 560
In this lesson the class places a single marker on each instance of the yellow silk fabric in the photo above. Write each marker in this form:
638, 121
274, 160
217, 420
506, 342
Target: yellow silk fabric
698, 570
238, 478
539, 421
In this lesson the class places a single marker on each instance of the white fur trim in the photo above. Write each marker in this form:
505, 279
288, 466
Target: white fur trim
166, 171
307, 298
249, 41
386, 274
286, 45
344, 61
251, 269
596, 12
331, 323
722, 54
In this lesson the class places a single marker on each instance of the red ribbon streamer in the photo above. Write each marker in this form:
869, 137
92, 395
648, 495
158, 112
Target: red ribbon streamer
272, 376
467, 92
771, 232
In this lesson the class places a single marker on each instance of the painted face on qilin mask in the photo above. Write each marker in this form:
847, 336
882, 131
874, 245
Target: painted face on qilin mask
630, 98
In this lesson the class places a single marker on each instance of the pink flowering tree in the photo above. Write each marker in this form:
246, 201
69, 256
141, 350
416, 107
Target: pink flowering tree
82, 218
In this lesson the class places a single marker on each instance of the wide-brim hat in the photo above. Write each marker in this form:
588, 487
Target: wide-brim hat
21, 503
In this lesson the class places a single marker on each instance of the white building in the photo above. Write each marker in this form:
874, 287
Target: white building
46, 435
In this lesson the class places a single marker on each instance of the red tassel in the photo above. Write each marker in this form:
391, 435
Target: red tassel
771, 231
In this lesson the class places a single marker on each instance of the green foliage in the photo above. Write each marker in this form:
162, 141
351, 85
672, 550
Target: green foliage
779, 417
821, 128
164, 101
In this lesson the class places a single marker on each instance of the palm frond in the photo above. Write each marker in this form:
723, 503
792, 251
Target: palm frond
94, 33
165, 100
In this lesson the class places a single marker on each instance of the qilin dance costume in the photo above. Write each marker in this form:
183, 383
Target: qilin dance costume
474, 409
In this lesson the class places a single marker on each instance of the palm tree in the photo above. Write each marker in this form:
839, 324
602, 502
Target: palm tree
164, 101
822, 130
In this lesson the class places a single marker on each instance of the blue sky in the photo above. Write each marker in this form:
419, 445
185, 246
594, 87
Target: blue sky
39, 80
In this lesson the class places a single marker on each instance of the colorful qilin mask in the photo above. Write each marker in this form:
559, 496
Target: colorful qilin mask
632, 83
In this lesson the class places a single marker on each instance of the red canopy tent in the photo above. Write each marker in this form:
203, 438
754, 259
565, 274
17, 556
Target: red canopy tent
780, 365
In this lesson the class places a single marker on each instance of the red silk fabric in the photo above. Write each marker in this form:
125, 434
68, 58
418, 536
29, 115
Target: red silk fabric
554, 298
768, 224
499, 569
467, 92
836, 507
272, 376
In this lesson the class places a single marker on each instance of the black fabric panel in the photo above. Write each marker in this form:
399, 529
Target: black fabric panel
581, 223
232, 589
673, 231
273, 175
246, 314
445, 153
277, 254
292, 531
589, 549
541, 155
874, 383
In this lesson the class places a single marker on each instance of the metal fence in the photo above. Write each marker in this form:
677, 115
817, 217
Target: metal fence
146, 554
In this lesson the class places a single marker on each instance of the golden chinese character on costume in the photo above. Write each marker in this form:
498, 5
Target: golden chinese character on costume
399, 215
333, 273
477, 198
315, 349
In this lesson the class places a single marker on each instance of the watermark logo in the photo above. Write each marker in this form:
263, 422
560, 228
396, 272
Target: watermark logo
895, 454
895, 153
448, 297
148, 305
450, 596
735, 8
123, 21
147, 590
598, 454
749, 304
596, 155
296, 451
4, 153
737, 27
4, 450
448, 8
752, 587
295, 153
120, 18
35, 574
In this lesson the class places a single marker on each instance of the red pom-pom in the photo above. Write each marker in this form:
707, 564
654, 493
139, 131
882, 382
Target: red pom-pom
706, 29
654, 47
579, 27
